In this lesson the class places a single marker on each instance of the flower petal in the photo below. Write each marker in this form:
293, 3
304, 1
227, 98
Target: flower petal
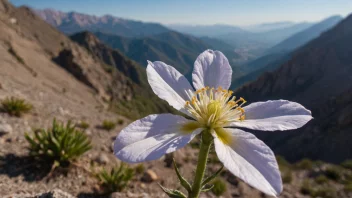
274, 115
250, 159
212, 69
151, 137
169, 84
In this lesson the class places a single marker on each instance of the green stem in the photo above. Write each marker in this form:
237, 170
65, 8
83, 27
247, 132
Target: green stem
206, 142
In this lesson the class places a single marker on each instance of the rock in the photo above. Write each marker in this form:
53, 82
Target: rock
102, 159
5, 128
129, 195
149, 176
56, 193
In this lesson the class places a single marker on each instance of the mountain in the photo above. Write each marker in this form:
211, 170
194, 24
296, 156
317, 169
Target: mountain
73, 22
318, 75
264, 27
206, 30
253, 69
119, 83
173, 48
262, 39
306, 35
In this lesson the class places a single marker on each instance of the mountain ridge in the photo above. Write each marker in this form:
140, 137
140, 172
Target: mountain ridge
74, 22
310, 77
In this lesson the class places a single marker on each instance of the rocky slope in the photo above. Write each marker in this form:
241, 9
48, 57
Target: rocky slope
318, 76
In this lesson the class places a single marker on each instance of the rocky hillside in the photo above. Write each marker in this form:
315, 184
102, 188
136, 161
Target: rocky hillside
318, 76
74, 22
127, 77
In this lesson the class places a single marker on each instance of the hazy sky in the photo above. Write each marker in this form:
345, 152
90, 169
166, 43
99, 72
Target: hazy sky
233, 12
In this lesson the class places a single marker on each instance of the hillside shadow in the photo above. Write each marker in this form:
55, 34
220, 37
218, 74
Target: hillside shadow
32, 170
91, 195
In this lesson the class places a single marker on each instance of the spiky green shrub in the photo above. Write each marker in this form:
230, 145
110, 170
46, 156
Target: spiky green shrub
108, 125
120, 121
60, 144
321, 179
347, 164
333, 173
304, 164
219, 187
287, 176
15, 106
306, 188
116, 179
348, 187
83, 125
140, 169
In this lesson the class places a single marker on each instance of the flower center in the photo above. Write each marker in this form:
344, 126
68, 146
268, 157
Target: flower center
214, 108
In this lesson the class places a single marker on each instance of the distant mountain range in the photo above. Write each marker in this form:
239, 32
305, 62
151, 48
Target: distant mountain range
264, 27
280, 53
306, 35
206, 30
173, 48
73, 22
318, 75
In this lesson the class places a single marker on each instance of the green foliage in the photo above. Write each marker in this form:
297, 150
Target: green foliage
60, 144
141, 105
139, 169
333, 173
116, 179
287, 176
348, 187
306, 188
108, 125
321, 179
120, 121
219, 187
347, 164
83, 125
281, 161
325, 192
15, 106
305, 164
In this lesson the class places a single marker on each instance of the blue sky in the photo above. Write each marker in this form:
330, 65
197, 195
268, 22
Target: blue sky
233, 12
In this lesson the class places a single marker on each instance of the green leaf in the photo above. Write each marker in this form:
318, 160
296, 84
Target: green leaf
210, 178
183, 181
173, 193
206, 188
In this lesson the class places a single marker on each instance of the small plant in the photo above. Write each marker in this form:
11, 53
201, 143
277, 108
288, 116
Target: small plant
120, 121
348, 187
306, 188
59, 145
347, 164
83, 125
15, 106
321, 179
116, 179
287, 176
108, 125
219, 187
140, 169
305, 164
333, 173
325, 192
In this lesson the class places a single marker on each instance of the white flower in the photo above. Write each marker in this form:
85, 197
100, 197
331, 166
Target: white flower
213, 108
